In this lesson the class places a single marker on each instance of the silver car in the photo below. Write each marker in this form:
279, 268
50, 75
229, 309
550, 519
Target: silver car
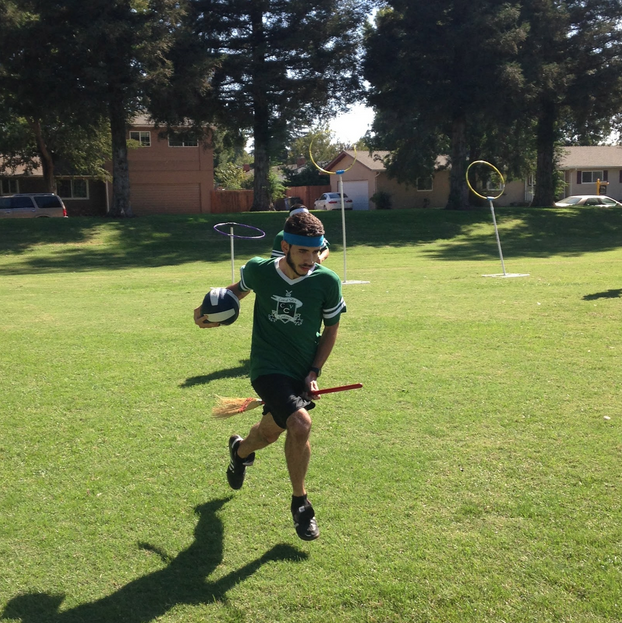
32, 205
332, 201
587, 200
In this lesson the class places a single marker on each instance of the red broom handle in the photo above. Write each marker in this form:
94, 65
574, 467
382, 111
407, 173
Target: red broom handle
328, 390
341, 388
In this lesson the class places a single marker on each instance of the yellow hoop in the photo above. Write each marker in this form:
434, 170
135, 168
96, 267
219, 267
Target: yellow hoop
494, 168
317, 166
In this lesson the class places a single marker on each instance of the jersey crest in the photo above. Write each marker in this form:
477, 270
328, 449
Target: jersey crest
286, 309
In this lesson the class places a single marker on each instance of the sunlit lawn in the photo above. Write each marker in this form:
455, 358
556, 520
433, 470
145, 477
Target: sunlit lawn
476, 477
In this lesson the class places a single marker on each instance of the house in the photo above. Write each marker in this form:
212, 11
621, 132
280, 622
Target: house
366, 175
82, 196
583, 167
167, 176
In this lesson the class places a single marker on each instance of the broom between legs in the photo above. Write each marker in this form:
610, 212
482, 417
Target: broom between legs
227, 407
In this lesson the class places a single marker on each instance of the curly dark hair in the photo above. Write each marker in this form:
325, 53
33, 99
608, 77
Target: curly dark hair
304, 224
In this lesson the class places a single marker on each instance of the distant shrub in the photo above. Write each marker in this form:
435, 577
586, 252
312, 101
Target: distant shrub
382, 199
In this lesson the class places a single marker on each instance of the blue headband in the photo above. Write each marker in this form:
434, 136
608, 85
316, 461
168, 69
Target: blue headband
304, 241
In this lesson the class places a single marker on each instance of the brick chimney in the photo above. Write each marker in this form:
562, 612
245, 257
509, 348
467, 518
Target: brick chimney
301, 161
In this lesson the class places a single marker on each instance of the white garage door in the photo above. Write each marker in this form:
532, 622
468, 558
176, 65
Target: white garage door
359, 193
165, 198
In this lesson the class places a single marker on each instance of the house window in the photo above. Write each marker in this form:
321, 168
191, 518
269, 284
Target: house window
425, 183
144, 138
590, 177
494, 185
189, 142
9, 187
73, 189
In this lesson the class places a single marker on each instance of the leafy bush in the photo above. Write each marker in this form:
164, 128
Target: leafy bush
382, 199
230, 176
309, 176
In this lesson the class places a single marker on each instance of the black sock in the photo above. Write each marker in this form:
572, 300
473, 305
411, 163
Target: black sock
298, 501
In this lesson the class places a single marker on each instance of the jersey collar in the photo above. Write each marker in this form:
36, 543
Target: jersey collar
279, 270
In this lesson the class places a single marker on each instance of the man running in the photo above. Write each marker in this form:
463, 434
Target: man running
294, 296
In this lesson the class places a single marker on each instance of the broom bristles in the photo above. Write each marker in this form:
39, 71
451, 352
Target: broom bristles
228, 407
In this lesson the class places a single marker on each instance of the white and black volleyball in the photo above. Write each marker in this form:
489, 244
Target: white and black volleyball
221, 305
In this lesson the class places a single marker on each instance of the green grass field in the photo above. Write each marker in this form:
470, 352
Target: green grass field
475, 478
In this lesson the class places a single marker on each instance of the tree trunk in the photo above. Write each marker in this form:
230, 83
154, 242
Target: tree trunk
261, 121
120, 170
458, 190
261, 188
47, 162
545, 163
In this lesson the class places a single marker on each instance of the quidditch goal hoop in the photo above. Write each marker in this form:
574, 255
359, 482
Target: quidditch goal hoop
490, 199
231, 233
340, 173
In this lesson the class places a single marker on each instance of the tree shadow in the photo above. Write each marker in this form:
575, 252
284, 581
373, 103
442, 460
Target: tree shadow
228, 373
184, 580
85, 244
607, 294
537, 232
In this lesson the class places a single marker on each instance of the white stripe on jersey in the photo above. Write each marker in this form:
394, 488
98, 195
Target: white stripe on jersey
334, 311
243, 285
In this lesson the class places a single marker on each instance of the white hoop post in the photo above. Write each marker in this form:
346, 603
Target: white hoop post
233, 235
339, 173
232, 255
494, 220
343, 226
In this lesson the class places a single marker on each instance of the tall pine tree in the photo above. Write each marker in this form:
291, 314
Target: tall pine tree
281, 64
438, 70
572, 62
42, 122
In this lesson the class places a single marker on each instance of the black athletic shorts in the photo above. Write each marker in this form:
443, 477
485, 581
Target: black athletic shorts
282, 396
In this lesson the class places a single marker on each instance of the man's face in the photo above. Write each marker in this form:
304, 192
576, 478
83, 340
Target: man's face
301, 259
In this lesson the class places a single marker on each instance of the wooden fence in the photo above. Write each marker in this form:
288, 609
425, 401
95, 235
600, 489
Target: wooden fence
225, 201
308, 194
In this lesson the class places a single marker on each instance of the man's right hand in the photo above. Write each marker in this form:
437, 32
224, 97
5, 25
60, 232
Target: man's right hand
201, 321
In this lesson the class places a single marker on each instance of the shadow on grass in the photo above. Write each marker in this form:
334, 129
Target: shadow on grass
184, 580
537, 232
608, 294
227, 373
83, 244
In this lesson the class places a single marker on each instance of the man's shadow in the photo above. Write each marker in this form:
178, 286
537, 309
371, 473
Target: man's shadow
608, 294
227, 373
184, 580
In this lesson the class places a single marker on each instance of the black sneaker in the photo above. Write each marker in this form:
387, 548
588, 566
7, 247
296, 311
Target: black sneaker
304, 522
237, 466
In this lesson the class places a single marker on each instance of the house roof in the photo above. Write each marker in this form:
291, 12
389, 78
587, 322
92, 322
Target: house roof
594, 157
374, 161
60, 170
142, 120
20, 170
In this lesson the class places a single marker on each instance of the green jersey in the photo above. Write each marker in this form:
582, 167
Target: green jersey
288, 315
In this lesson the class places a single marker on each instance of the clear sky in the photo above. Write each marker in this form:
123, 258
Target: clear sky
350, 127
